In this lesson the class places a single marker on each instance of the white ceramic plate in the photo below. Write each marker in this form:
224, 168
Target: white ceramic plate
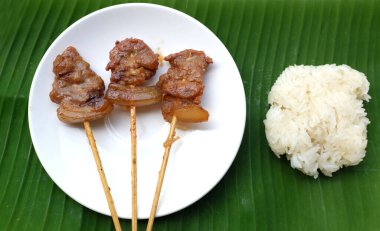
198, 160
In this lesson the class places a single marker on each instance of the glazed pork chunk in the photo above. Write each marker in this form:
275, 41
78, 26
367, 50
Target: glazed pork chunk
132, 62
182, 86
78, 89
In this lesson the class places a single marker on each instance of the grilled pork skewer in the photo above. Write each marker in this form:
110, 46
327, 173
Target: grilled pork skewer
79, 92
182, 88
132, 62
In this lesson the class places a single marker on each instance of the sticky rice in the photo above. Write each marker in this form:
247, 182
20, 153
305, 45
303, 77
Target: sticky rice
316, 117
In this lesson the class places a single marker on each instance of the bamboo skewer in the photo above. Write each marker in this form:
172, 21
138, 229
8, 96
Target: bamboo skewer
103, 179
134, 167
168, 144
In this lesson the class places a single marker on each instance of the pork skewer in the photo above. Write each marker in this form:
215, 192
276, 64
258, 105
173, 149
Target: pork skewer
79, 92
182, 88
132, 62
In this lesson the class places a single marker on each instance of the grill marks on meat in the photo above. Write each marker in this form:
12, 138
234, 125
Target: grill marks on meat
77, 89
132, 62
183, 86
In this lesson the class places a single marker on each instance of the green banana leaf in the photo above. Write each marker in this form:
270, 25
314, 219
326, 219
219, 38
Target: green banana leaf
260, 191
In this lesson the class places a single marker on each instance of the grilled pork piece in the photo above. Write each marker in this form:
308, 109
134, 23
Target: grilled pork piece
133, 96
77, 89
182, 86
184, 79
184, 109
132, 62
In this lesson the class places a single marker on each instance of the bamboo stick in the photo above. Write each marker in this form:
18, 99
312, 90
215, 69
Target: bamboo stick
103, 179
168, 144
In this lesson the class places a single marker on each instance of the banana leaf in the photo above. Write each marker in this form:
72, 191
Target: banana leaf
260, 191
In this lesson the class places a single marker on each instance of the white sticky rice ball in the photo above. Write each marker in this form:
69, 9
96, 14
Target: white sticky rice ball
317, 119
